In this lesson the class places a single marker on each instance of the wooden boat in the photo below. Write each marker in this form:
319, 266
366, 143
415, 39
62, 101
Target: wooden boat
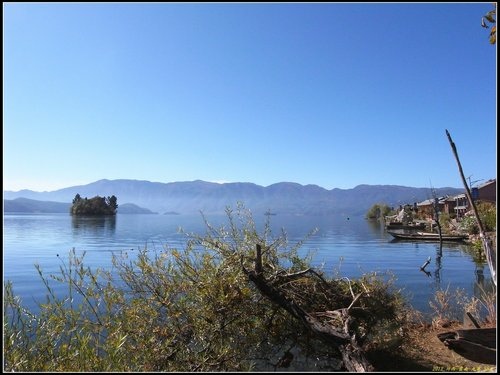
400, 225
478, 345
425, 236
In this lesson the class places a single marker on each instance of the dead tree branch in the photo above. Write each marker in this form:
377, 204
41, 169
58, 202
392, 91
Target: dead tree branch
487, 246
340, 337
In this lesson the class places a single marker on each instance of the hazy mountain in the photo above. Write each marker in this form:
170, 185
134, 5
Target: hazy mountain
130, 208
283, 197
26, 205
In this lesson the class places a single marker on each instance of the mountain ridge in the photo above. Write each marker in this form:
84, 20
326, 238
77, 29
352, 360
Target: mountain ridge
212, 197
26, 205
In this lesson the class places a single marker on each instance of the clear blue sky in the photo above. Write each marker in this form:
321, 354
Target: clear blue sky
330, 94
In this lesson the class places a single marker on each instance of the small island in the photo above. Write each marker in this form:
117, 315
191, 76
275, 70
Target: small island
94, 206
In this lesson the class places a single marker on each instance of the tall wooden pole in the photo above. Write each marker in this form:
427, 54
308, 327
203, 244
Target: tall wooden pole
490, 253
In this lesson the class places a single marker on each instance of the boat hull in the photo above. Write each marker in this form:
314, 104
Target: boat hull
423, 236
394, 225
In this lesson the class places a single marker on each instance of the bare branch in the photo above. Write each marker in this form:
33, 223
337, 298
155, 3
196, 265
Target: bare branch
490, 254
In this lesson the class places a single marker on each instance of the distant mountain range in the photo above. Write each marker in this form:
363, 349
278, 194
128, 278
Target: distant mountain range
26, 205
196, 196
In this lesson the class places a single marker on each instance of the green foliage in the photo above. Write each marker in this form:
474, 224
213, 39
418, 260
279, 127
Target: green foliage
94, 206
186, 310
445, 221
488, 215
468, 224
378, 211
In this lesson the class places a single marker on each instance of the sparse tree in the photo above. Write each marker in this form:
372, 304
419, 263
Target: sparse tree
378, 211
111, 202
77, 198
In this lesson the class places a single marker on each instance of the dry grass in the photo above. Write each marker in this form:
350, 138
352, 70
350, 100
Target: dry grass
423, 351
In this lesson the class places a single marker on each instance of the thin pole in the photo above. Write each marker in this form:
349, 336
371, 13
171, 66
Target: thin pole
490, 254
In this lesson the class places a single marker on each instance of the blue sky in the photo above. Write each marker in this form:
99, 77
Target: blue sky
330, 94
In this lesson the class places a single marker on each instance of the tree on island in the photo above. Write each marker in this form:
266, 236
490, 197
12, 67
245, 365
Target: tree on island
94, 206
378, 211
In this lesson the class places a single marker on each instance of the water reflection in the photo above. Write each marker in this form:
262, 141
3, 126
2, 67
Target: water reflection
377, 229
376, 226
354, 247
485, 291
482, 287
479, 275
439, 266
93, 225
478, 256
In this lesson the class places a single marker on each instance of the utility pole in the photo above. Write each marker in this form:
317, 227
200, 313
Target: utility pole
473, 182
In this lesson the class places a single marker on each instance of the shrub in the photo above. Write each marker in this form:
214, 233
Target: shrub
190, 310
445, 221
378, 211
468, 224
488, 215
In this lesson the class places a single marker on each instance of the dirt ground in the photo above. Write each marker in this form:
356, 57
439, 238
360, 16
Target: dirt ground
425, 352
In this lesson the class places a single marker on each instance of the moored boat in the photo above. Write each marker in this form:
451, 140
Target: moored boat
400, 225
426, 236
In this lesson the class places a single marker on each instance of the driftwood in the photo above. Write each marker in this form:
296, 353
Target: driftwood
422, 268
345, 341
477, 344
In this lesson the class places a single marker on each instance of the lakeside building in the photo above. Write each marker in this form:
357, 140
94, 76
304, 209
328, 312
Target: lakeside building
457, 206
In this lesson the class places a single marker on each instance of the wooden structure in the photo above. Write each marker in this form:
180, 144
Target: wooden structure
425, 236
400, 225
476, 344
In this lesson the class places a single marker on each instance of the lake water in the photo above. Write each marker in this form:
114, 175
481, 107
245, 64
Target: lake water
351, 245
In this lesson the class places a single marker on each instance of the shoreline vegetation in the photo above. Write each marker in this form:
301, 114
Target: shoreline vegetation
449, 225
246, 302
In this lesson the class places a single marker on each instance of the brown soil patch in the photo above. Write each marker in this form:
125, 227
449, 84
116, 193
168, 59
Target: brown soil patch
423, 351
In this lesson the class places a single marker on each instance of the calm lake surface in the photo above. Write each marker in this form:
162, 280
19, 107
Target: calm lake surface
351, 245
